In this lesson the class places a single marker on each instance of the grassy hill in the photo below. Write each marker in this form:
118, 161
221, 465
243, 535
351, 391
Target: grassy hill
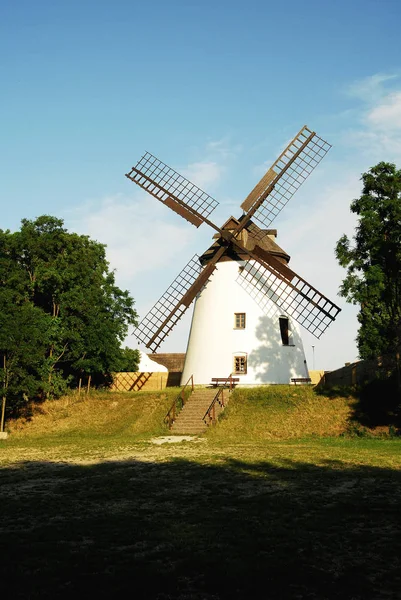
267, 413
105, 414
283, 412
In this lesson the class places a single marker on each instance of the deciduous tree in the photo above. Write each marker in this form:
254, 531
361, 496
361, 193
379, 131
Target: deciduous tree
63, 280
373, 262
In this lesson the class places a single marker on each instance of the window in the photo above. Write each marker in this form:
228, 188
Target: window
284, 330
239, 320
240, 365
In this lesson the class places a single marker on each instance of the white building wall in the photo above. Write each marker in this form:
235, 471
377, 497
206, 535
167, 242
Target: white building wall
213, 341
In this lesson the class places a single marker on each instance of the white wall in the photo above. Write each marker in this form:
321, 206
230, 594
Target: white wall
213, 341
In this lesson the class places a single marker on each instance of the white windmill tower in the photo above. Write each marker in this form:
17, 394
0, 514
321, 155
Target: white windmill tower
245, 316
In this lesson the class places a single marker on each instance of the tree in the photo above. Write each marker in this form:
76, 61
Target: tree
373, 262
23, 342
64, 279
129, 360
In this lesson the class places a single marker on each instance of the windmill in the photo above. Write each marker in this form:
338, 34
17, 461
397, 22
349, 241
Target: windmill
244, 252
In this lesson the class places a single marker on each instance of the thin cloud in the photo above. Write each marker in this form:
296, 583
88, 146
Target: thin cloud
387, 114
370, 89
378, 134
203, 173
138, 239
223, 148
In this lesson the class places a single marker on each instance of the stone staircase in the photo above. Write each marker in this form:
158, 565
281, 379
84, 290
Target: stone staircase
190, 419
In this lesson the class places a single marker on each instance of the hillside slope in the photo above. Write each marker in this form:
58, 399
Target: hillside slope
274, 412
282, 412
137, 414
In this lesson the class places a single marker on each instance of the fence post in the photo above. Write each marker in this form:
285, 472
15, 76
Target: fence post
3, 412
3, 406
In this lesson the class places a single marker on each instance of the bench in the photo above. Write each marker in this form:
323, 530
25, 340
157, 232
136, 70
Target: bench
296, 380
231, 381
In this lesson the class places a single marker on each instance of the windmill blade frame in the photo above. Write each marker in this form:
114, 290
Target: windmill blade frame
288, 290
152, 329
285, 176
172, 189
171, 306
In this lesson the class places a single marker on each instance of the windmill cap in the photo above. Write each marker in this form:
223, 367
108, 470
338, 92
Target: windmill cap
250, 235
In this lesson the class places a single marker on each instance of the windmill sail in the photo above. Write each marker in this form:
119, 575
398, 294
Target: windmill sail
172, 189
285, 176
169, 309
295, 296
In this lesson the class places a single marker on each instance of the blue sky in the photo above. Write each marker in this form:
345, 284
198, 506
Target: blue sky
214, 89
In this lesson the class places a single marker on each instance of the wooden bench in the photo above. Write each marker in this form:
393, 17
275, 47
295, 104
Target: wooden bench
229, 381
296, 380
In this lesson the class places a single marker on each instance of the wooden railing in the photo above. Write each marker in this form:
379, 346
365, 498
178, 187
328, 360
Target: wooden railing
224, 381
179, 402
210, 415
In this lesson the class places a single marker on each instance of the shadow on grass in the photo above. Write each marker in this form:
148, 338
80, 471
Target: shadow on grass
377, 403
335, 391
184, 530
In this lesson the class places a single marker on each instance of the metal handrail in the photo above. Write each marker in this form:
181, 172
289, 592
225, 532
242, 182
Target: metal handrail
211, 411
170, 416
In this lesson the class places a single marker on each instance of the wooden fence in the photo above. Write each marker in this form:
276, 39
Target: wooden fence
361, 372
134, 382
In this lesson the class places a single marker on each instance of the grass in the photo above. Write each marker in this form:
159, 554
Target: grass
281, 412
95, 508
135, 414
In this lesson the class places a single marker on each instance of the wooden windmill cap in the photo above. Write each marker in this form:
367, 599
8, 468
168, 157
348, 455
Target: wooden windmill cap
249, 237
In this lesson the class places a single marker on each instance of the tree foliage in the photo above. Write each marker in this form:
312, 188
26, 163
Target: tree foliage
61, 313
130, 360
373, 262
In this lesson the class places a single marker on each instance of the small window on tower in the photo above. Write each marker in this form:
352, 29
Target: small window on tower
240, 365
284, 330
239, 320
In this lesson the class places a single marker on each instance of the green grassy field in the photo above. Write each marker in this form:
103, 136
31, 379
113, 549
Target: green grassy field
92, 506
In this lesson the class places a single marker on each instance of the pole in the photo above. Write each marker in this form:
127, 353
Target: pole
313, 357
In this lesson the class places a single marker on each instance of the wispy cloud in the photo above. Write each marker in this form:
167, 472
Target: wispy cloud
138, 239
203, 173
377, 134
386, 116
216, 157
370, 89
223, 148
